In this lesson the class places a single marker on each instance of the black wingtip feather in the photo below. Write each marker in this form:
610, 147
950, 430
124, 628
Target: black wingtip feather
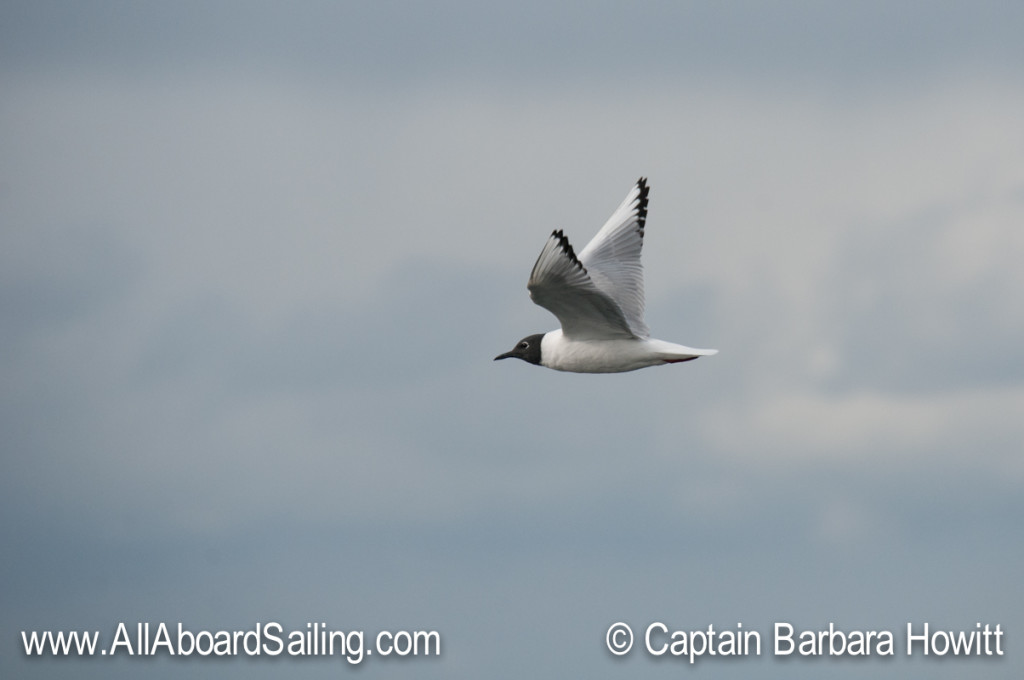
641, 205
563, 243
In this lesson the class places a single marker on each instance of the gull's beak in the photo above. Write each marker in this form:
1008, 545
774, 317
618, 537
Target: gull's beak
506, 355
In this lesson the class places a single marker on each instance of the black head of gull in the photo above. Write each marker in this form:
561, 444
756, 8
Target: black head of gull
527, 349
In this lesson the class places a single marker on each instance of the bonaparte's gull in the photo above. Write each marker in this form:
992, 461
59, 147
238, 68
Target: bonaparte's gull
598, 298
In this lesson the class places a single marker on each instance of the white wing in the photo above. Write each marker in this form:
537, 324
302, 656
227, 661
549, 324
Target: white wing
599, 295
612, 258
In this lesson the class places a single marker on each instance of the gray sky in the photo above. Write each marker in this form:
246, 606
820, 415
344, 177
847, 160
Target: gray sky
256, 260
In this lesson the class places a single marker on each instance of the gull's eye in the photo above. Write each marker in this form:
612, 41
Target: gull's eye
524, 344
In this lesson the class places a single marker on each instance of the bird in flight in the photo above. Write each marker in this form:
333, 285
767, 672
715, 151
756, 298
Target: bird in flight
598, 298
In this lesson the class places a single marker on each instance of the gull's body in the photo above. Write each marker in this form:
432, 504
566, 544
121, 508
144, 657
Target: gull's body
599, 299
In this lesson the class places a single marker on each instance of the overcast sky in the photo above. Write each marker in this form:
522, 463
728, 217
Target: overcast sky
256, 259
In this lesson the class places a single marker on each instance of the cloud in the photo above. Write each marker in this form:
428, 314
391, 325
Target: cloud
269, 247
248, 315
950, 429
391, 43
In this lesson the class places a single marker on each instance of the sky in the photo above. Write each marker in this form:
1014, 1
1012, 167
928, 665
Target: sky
257, 259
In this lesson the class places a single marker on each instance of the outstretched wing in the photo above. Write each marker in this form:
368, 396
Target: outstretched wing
560, 283
612, 258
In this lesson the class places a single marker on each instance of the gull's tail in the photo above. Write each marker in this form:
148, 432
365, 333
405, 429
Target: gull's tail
671, 353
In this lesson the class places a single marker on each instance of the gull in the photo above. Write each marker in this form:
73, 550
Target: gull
598, 298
